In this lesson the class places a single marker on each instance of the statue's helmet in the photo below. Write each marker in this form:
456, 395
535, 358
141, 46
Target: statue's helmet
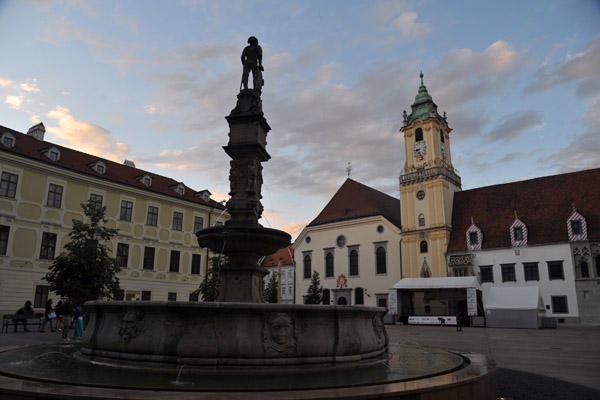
252, 40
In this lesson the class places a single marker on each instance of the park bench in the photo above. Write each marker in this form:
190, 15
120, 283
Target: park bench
32, 319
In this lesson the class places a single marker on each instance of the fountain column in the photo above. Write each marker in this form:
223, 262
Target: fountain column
242, 239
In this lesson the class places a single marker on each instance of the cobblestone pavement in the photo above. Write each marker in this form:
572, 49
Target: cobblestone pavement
562, 363
557, 364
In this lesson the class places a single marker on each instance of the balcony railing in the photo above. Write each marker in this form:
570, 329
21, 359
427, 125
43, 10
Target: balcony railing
429, 173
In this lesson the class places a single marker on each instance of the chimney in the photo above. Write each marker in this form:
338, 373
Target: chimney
37, 131
129, 163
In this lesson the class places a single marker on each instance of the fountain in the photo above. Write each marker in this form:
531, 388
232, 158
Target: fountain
222, 346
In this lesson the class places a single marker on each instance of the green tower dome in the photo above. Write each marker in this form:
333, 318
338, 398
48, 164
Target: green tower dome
423, 107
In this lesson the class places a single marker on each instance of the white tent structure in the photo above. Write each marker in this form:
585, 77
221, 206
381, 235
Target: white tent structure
514, 307
459, 282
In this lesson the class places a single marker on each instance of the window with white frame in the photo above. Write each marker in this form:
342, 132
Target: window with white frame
8, 184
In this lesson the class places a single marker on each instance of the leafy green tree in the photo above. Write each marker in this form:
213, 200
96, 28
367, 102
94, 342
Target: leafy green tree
270, 292
315, 290
211, 284
86, 271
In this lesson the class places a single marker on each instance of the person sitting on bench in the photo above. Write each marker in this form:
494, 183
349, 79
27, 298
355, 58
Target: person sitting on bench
26, 311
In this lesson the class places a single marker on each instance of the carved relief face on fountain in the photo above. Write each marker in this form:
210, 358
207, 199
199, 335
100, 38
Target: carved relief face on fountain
279, 332
281, 329
131, 325
378, 327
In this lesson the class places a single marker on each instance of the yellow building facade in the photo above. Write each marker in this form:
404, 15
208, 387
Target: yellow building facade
427, 186
41, 191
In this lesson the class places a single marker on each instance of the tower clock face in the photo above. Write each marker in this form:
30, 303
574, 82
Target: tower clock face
419, 148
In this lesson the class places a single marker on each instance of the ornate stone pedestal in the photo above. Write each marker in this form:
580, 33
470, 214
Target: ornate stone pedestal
242, 239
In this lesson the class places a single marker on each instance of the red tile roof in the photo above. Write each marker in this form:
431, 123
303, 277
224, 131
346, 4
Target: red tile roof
543, 204
74, 160
284, 256
354, 200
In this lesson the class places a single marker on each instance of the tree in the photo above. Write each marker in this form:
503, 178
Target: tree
271, 291
86, 272
211, 284
315, 290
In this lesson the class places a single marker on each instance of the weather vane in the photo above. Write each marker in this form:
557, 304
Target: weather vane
349, 170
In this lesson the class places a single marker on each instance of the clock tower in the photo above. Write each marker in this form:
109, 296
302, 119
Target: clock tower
427, 186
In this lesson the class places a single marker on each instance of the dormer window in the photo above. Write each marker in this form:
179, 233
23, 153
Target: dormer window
146, 179
576, 227
52, 153
179, 188
99, 167
8, 140
204, 194
518, 233
474, 237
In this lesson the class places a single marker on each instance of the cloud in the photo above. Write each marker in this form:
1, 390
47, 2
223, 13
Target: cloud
114, 52
581, 68
5, 82
30, 88
382, 13
84, 136
407, 25
514, 125
294, 228
582, 152
14, 101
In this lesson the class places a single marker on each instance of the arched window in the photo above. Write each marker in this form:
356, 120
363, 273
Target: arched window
307, 266
381, 260
585, 272
326, 297
423, 246
353, 263
421, 220
441, 136
329, 265
418, 135
359, 296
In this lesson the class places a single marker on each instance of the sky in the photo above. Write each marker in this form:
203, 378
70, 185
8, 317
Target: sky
151, 81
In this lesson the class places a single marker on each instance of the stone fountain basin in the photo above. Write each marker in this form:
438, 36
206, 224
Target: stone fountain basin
243, 239
222, 337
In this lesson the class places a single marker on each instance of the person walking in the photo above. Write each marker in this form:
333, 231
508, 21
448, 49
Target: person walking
49, 316
459, 318
66, 321
78, 321
59, 312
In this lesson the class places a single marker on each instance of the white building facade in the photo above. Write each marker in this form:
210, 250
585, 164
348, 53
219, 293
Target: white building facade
353, 244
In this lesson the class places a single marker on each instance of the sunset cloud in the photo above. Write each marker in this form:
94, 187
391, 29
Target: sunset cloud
5, 82
14, 101
84, 136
